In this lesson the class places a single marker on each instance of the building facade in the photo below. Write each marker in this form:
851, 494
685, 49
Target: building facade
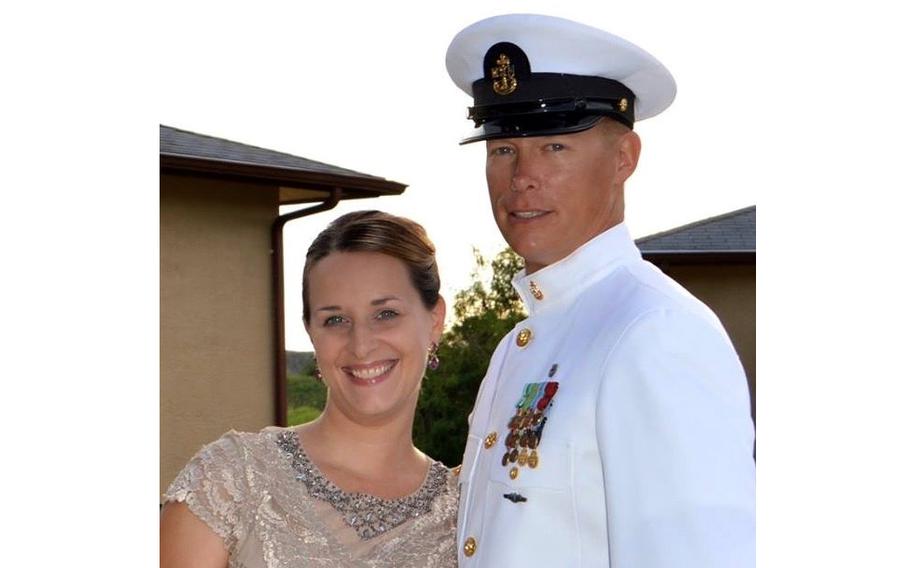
219, 338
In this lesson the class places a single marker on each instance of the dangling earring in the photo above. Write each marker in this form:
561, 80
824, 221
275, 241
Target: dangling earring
433, 358
318, 373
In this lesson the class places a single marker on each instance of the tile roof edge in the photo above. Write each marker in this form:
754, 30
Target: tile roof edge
694, 224
339, 170
209, 136
697, 251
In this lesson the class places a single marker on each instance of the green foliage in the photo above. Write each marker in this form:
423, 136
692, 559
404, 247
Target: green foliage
483, 315
306, 396
499, 297
300, 362
302, 414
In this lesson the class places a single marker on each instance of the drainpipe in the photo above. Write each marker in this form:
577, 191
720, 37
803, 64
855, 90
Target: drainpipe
281, 382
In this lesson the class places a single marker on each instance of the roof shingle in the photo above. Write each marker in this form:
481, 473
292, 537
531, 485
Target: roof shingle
730, 232
182, 143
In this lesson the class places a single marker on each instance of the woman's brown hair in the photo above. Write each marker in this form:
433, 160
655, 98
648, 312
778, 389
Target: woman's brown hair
375, 231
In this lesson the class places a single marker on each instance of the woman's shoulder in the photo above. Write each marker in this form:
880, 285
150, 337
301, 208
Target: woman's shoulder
216, 484
218, 460
442, 484
246, 442
227, 457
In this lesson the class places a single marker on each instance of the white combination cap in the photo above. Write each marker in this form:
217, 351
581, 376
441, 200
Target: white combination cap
534, 75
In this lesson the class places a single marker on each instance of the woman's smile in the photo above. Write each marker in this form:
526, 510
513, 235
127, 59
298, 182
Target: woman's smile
370, 374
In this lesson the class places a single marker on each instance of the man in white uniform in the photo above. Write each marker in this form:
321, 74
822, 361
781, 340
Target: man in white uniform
613, 426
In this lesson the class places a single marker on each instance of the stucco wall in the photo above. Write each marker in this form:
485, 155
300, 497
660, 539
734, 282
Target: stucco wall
216, 331
730, 291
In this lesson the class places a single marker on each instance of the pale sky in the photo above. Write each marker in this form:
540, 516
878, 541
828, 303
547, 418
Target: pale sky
366, 89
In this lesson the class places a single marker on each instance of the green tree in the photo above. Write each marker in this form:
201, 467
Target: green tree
483, 315
306, 395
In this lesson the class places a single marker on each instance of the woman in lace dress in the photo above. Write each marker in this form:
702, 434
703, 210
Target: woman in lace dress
350, 488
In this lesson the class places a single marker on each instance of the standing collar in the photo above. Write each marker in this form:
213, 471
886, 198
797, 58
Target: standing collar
563, 280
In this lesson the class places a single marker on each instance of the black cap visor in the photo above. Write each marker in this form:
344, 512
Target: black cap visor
543, 119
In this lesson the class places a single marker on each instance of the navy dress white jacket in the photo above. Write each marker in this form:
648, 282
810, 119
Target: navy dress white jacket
645, 457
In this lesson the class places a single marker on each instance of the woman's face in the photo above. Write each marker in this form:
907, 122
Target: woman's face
371, 333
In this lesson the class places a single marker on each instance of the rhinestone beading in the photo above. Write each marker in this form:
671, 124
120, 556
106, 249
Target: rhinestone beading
368, 515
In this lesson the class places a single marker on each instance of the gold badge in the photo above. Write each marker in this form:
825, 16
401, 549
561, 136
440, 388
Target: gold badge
523, 337
504, 76
623, 104
470, 545
535, 291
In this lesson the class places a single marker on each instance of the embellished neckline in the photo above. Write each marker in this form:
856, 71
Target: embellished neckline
367, 514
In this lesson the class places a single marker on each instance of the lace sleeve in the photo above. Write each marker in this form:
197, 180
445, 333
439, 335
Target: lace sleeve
213, 485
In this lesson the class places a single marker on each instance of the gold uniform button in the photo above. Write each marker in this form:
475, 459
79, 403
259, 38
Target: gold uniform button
456, 470
524, 337
489, 440
470, 545
535, 291
513, 473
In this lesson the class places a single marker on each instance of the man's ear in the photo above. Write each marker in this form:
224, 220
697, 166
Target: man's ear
628, 148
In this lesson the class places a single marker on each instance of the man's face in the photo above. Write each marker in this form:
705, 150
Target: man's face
552, 194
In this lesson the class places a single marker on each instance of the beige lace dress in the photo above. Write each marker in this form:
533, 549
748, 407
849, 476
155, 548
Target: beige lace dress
274, 509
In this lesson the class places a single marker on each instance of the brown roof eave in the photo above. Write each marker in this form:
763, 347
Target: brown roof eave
352, 187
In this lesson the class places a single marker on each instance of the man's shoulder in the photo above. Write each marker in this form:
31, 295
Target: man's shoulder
640, 288
637, 293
